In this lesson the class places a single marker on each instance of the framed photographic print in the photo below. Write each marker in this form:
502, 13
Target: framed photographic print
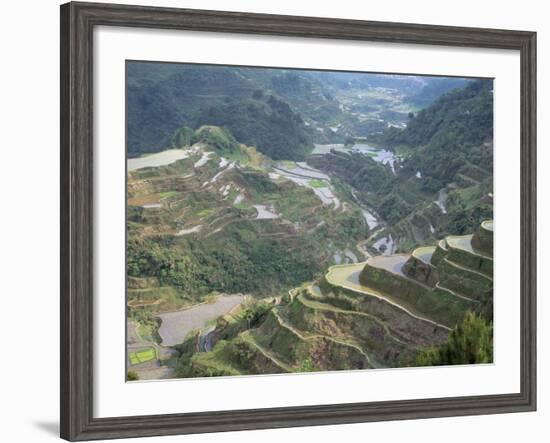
272, 221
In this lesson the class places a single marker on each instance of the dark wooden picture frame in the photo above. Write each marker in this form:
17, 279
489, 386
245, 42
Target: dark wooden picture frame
77, 23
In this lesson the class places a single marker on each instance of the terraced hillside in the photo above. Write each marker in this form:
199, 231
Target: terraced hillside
291, 221
219, 216
441, 179
380, 313
216, 217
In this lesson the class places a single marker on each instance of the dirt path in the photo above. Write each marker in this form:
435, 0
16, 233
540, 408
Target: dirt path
250, 340
456, 265
456, 294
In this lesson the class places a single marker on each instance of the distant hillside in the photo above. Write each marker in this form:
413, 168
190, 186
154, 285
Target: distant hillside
280, 111
164, 97
265, 122
433, 88
465, 113
453, 131
443, 182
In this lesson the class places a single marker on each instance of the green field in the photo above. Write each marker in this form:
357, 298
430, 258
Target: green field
142, 356
205, 212
287, 164
243, 205
315, 183
168, 194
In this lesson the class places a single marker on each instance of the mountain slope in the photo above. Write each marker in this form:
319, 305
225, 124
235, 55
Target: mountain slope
382, 313
443, 181
265, 122
222, 217
279, 111
164, 97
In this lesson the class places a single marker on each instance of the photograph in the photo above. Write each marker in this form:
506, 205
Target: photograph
284, 220
275, 221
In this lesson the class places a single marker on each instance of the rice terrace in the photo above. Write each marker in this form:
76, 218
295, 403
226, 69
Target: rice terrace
283, 220
142, 356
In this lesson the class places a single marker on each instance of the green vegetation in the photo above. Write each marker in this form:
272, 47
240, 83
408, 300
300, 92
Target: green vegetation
315, 183
359, 171
241, 261
290, 165
385, 313
424, 284
182, 137
132, 376
147, 323
450, 144
147, 331
253, 221
164, 97
142, 356
232, 252
217, 138
462, 119
467, 207
269, 124
470, 342
438, 283
306, 366
206, 212
168, 194
436, 87
240, 356
243, 205
439, 306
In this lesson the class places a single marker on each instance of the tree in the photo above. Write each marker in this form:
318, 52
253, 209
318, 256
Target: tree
132, 376
469, 342
350, 141
182, 137
307, 366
